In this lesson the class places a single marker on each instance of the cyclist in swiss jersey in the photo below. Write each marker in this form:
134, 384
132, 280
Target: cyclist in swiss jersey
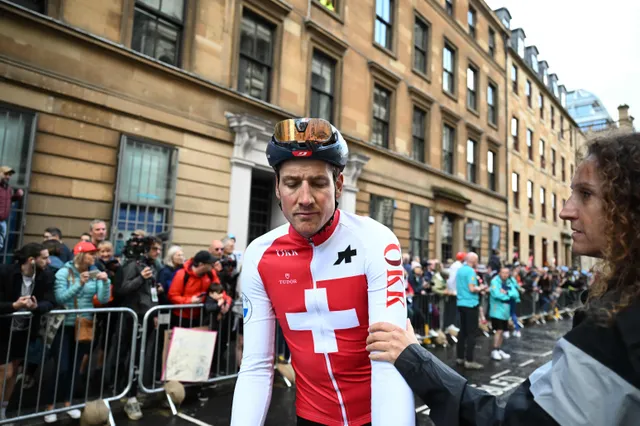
325, 276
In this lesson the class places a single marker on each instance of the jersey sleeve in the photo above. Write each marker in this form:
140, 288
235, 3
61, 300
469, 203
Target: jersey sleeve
391, 398
252, 394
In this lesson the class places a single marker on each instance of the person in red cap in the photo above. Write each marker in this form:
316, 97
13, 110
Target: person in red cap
7, 196
76, 284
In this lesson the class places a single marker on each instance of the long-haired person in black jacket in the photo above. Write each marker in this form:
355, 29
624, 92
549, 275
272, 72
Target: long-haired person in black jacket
594, 376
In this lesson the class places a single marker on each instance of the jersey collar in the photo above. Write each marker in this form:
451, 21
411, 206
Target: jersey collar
321, 236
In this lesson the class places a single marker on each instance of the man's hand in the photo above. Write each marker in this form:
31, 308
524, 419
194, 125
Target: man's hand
102, 276
22, 303
84, 277
155, 322
388, 341
32, 303
147, 273
225, 308
19, 192
196, 299
159, 288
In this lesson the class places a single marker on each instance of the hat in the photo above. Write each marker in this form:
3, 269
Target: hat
84, 247
460, 256
7, 169
203, 256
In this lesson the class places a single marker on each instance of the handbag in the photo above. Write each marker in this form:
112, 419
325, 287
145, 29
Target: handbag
83, 326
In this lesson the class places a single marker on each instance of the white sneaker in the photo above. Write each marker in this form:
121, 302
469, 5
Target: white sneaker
74, 414
495, 354
504, 355
51, 418
433, 333
454, 328
506, 334
517, 334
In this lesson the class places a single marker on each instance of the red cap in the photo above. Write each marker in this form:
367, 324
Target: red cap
460, 256
84, 247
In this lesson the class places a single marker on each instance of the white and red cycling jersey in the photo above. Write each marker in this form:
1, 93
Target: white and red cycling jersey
324, 292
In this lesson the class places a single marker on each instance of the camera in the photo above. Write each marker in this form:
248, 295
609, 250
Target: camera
228, 262
137, 248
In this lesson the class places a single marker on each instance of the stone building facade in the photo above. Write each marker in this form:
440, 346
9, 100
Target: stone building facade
155, 114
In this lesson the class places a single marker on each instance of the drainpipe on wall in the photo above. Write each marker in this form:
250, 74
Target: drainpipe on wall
506, 44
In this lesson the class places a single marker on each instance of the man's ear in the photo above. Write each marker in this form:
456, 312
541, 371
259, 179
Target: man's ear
277, 190
339, 185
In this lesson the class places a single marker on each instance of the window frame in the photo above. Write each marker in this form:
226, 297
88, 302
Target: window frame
492, 109
530, 197
472, 94
420, 20
452, 152
553, 117
385, 143
472, 167
492, 43
543, 203
554, 158
561, 125
414, 238
419, 154
492, 177
541, 105
389, 25
514, 82
515, 192
473, 223
529, 142
528, 90
452, 74
515, 139
335, 67
472, 22
373, 200
542, 152
563, 170
173, 163
450, 7
554, 207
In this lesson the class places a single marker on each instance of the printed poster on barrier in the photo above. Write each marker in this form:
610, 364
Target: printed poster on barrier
190, 355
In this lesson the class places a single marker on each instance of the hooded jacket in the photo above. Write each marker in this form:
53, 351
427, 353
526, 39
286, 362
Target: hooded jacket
7, 195
499, 301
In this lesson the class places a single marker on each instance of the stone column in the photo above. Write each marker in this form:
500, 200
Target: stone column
351, 174
239, 201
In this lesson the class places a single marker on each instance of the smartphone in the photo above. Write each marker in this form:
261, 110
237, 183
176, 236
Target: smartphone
93, 274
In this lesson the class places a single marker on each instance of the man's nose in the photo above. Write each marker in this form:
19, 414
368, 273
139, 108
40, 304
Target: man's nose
569, 210
306, 197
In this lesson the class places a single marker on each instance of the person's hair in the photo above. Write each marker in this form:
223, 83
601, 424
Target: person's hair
95, 222
617, 160
54, 232
216, 288
27, 251
168, 260
54, 247
105, 243
85, 234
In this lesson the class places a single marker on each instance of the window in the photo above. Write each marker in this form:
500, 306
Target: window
418, 130
532, 249
530, 196
570, 136
492, 101
157, 29
563, 169
554, 208
544, 252
564, 201
527, 92
472, 235
145, 190
419, 244
553, 162
494, 238
330, 4
260, 202
530, 143
491, 169
471, 160
492, 43
541, 104
448, 68
514, 78
39, 6
516, 245
420, 45
543, 206
448, 6
471, 20
561, 126
256, 56
17, 134
472, 88
381, 209
448, 148
553, 117
555, 254
515, 189
322, 78
571, 175
384, 23
514, 134
543, 163
446, 237
381, 116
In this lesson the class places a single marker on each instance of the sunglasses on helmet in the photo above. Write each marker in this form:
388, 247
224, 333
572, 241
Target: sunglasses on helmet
304, 131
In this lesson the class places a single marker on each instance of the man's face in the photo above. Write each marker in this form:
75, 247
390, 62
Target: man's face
307, 192
99, 232
216, 248
203, 269
47, 236
155, 251
43, 260
229, 247
504, 273
6, 177
585, 210
85, 238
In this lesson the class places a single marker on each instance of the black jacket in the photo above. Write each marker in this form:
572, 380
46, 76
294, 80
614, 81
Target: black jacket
11, 289
589, 360
134, 291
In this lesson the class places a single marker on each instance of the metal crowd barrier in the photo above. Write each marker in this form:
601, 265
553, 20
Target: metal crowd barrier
55, 360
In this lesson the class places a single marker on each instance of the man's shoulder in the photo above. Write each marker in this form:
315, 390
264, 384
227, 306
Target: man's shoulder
258, 246
364, 226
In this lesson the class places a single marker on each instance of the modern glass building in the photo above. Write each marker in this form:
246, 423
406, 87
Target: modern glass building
588, 111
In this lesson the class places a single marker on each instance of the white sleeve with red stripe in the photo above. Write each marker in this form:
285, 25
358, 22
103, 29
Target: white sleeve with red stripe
253, 389
391, 398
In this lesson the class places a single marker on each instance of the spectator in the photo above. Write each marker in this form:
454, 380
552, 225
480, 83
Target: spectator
7, 196
216, 248
494, 261
189, 286
98, 231
453, 269
139, 291
54, 247
502, 291
86, 237
26, 285
173, 262
76, 284
468, 292
56, 235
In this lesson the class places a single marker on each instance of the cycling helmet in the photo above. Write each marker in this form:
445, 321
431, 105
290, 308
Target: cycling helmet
312, 138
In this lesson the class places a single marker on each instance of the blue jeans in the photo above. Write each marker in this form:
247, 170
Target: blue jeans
514, 316
67, 367
3, 233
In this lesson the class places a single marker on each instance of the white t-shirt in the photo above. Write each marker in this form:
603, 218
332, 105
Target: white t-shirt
453, 270
22, 323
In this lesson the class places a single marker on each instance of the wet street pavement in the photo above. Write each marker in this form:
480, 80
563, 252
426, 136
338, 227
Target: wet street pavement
500, 378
